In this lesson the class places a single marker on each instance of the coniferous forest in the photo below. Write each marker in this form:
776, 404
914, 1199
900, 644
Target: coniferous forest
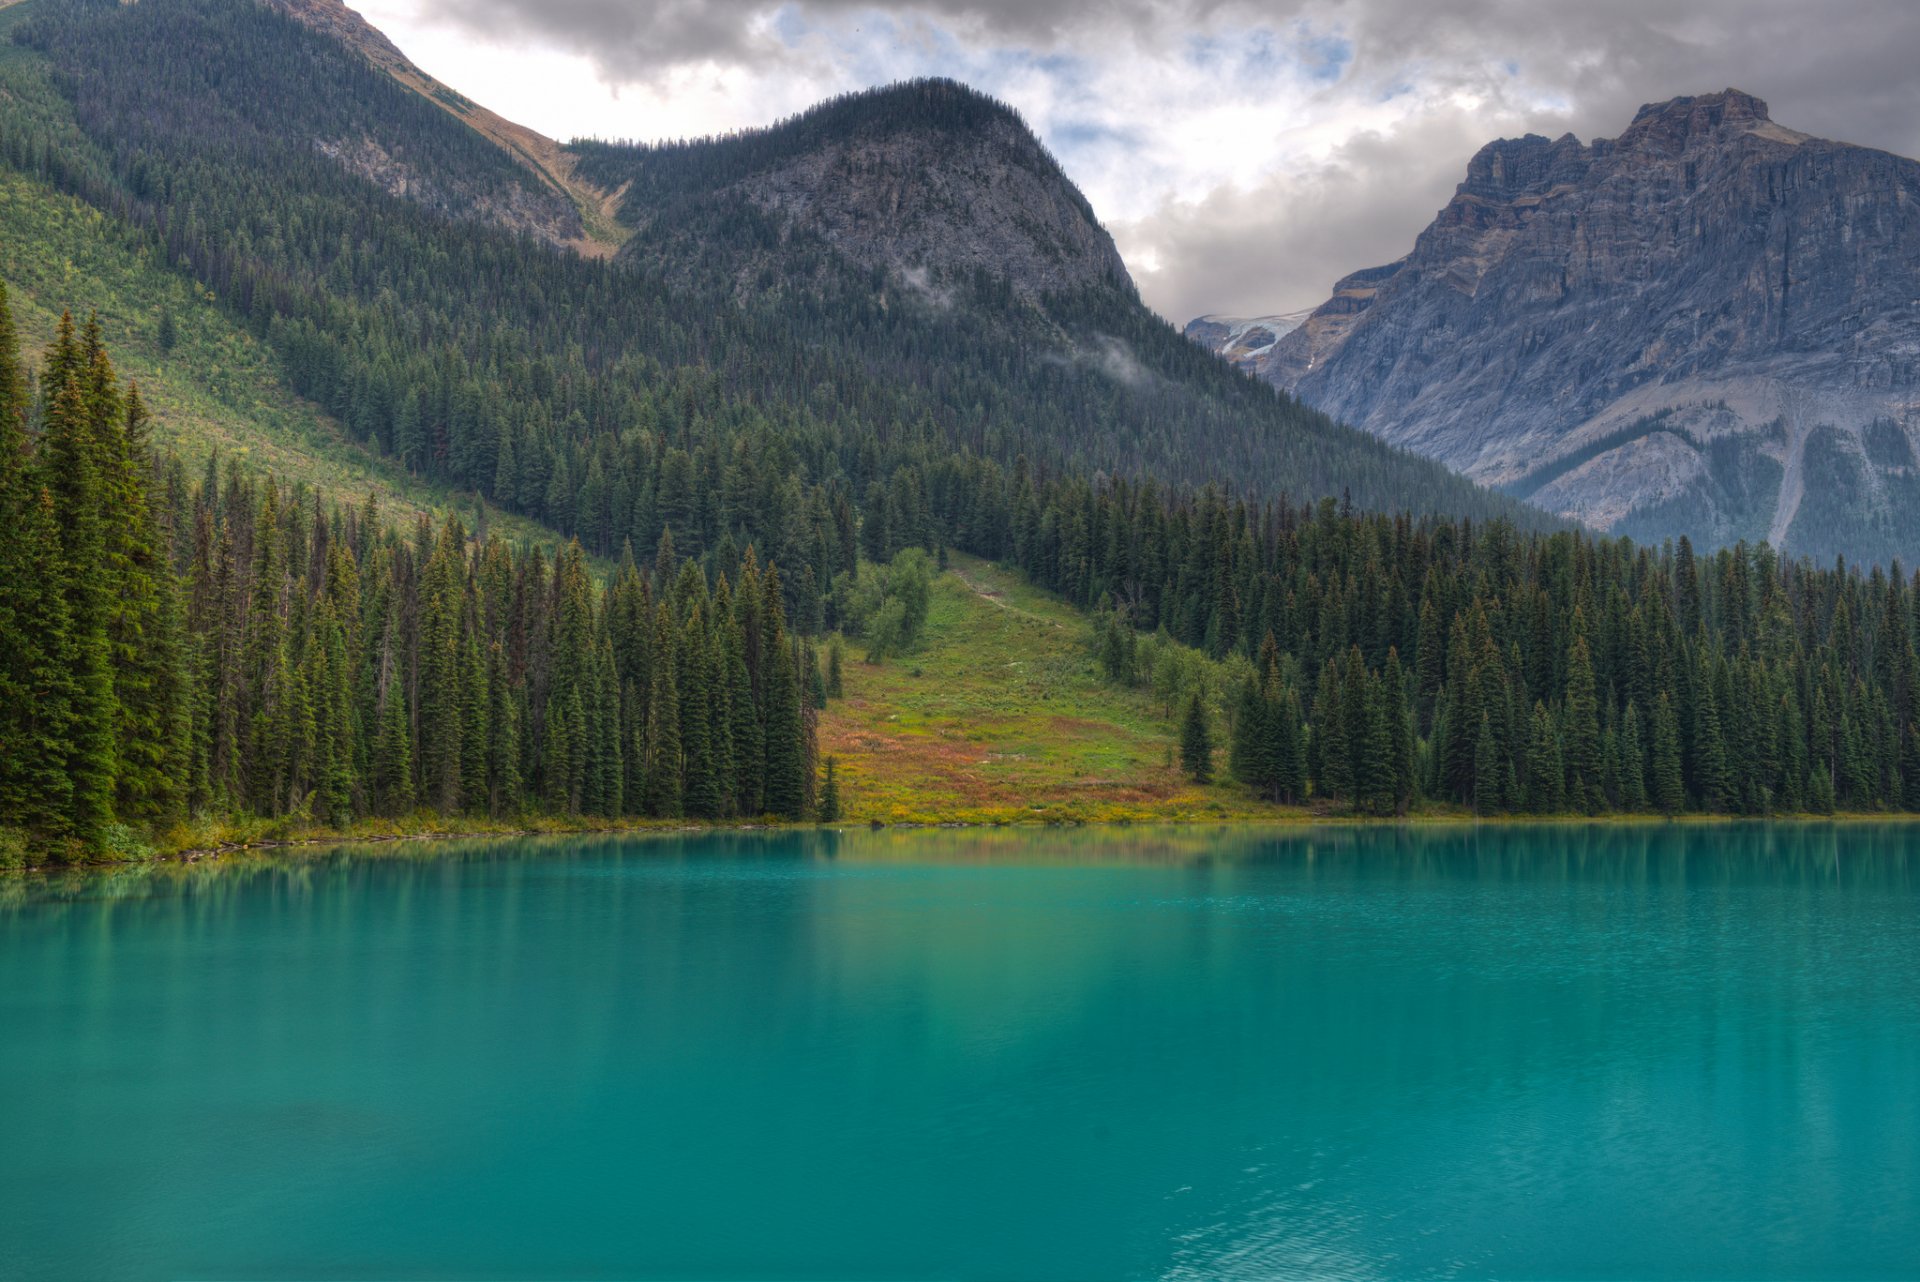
721, 462
180, 646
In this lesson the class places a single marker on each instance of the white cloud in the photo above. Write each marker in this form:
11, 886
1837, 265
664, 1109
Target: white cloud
1244, 156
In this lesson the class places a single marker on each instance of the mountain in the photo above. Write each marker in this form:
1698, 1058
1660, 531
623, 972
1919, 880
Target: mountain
896, 279
917, 181
786, 375
1243, 340
570, 212
1704, 326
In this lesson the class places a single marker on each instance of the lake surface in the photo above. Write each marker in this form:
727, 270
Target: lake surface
1515, 1052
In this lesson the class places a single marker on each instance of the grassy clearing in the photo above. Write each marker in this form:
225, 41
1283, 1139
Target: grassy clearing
218, 388
1001, 717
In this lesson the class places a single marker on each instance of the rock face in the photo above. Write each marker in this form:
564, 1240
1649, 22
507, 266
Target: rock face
562, 211
1244, 339
923, 181
1709, 325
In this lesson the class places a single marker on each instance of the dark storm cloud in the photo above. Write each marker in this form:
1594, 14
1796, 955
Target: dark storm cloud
635, 39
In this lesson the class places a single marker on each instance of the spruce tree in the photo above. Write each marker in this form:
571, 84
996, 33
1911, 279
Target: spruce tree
1583, 743
36, 789
503, 723
1196, 742
1400, 738
786, 787
393, 756
1668, 790
1633, 763
663, 721
1488, 773
830, 793
72, 468
702, 793
1291, 749
748, 754
1250, 750
1382, 754
1546, 767
1709, 752
1330, 735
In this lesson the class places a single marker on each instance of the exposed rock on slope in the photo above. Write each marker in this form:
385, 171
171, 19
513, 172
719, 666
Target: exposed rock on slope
576, 213
1709, 325
923, 180
1244, 339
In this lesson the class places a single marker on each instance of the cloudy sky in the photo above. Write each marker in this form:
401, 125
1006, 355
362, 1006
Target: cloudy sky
1243, 155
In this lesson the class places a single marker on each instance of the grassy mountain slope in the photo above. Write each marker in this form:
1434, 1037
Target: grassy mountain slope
1002, 717
217, 388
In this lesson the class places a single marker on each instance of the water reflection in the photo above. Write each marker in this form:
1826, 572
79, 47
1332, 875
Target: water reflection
1886, 854
1646, 1050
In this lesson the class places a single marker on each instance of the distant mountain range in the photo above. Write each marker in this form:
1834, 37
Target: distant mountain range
1709, 325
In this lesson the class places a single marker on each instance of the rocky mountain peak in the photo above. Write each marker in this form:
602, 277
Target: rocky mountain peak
1678, 123
1703, 326
923, 179
1509, 166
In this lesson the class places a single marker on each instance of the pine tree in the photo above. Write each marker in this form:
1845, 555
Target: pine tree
34, 665
1291, 749
1820, 798
748, 755
503, 752
1196, 742
836, 686
663, 721
1488, 794
1633, 764
440, 696
1709, 752
36, 790
702, 792
393, 756
1583, 744
476, 715
1546, 767
830, 793
72, 454
1663, 766
1330, 734
1400, 739
786, 788
1250, 752
1382, 752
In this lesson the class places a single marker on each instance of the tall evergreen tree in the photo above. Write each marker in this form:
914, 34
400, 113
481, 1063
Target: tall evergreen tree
73, 458
1196, 742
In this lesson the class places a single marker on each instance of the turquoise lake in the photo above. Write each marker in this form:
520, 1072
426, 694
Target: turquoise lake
1554, 1052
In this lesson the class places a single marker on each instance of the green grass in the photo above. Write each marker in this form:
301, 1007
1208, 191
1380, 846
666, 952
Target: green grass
219, 388
1002, 717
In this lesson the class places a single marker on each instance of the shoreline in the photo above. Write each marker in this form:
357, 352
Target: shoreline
1303, 819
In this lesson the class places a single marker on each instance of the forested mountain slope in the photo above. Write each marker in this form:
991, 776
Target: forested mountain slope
611, 400
800, 369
